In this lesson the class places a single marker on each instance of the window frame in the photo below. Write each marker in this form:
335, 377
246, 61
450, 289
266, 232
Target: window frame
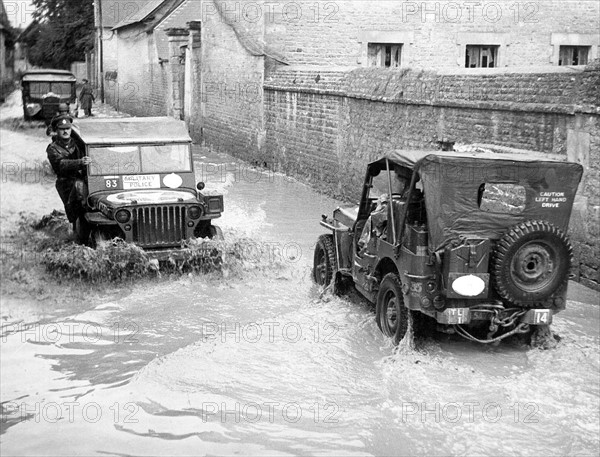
568, 47
574, 39
495, 49
500, 39
382, 55
404, 38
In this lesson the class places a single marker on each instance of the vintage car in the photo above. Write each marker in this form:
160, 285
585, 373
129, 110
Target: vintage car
476, 242
141, 185
44, 90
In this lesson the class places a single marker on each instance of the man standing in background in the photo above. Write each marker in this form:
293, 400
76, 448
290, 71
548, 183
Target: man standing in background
86, 97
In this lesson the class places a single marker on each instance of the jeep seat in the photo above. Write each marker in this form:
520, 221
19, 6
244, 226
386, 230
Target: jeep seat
399, 208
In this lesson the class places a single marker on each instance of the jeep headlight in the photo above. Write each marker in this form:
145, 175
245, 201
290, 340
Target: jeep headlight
468, 286
122, 216
33, 108
194, 212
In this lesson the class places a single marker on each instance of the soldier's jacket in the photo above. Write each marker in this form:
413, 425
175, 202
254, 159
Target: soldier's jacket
65, 160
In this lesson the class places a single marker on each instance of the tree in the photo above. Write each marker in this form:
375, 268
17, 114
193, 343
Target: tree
66, 32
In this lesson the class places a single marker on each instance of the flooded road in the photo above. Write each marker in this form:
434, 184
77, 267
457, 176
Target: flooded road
259, 363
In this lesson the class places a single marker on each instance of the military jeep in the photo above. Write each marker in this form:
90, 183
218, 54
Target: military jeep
141, 185
473, 243
44, 90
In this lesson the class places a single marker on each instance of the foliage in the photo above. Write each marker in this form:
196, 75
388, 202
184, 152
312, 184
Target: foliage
65, 32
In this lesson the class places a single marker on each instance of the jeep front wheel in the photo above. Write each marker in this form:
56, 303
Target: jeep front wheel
324, 260
82, 230
532, 261
216, 233
391, 314
97, 236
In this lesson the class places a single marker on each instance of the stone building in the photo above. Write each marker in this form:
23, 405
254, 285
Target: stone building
22, 48
318, 88
136, 59
6, 53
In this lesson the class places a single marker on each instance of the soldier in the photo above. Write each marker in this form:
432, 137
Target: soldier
86, 97
63, 109
69, 166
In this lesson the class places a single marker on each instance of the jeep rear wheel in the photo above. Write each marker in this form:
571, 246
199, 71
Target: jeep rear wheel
391, 314
324, 260
532, 261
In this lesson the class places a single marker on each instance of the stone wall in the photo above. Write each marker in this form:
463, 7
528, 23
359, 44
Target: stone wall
230, 74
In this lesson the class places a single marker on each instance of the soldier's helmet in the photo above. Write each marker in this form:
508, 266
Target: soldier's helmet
63, 108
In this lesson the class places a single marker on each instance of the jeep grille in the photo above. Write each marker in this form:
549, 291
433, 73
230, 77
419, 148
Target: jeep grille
159, 225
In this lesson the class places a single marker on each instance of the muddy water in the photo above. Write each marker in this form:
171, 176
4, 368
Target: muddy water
261, 364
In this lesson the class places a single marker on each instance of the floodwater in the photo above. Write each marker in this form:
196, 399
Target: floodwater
262, 364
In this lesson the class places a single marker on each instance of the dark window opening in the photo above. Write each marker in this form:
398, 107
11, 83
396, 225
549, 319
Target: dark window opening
573, 55
380, 185
481, 56
384, 54
501, 198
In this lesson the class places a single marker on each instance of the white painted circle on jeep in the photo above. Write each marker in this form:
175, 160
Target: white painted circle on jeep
468, 286
173, 181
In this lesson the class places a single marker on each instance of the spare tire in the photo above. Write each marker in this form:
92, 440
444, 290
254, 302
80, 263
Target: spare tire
531, 262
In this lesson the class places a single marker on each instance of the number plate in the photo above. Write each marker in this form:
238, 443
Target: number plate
454, 316
541, 316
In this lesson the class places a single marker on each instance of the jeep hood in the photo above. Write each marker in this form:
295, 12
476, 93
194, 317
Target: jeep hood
144, 197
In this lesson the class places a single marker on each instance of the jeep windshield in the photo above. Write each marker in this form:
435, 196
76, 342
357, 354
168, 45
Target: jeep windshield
136, 159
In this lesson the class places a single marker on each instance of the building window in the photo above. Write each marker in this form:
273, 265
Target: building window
481, 56
573, 55
384, 54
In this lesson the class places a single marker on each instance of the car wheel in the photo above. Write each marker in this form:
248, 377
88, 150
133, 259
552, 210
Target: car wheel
391, 314
97, 236
531, 262
324, 260
82, 230
216, 233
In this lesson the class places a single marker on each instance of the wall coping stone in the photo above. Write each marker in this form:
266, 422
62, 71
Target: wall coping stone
388, 86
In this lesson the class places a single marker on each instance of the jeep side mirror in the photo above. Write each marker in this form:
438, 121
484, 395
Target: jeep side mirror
200, 185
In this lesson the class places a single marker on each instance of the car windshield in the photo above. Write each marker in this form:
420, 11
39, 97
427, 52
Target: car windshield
159, 158
39, 89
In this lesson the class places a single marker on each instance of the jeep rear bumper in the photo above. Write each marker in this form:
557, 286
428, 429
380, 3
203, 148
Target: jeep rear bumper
452, 316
